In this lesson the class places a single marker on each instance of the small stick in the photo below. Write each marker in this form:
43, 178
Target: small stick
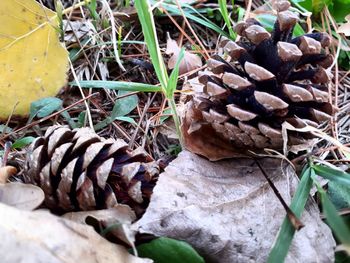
297, 224
47, 117
7, 150
192, 31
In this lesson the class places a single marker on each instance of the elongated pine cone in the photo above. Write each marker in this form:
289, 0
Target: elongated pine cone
79, 170
262, 81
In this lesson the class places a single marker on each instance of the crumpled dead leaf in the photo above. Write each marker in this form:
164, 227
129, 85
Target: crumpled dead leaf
345, 28
6, 172
317, 133
76, 30
118, 219
228, 212
21, 196
41, 237
188, 63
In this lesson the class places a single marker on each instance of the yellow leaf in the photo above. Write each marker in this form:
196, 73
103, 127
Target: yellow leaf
33, 62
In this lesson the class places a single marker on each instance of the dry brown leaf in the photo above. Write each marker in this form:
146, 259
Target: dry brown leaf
6, 172
118, 219
317, 133
21, 196
77, 29
188, 63
345, 28
42, 237
126, 13
228, 212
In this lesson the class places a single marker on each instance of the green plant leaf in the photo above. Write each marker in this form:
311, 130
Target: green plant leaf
318, 5
167, 250
165, 116
339, 194
286, 233
335, 221
307, 4
20, 143
121, 108
117, 85
81, 119
101, 124
339, 9
92, 6
125, 105
341, 257
126, 119
344, 59
44, 107
71, 122
331, 174
268, 22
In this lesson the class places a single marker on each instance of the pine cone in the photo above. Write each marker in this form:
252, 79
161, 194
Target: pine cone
79, 170
264, 80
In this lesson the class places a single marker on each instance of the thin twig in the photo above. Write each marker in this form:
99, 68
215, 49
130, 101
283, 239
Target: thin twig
248, 9
46, 118
133, 137
182, 31
114, 33
297, 224
88, 113
207, 56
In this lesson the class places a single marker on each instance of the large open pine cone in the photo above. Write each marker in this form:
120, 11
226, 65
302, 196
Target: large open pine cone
264, 80
79, 170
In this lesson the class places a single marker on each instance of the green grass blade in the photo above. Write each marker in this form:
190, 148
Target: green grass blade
335, 221
167, 250
332, 174
149, 30
145, 15
92, 6
170, 94
174, 76
286, 233
198, 19
118, 85
226, 17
